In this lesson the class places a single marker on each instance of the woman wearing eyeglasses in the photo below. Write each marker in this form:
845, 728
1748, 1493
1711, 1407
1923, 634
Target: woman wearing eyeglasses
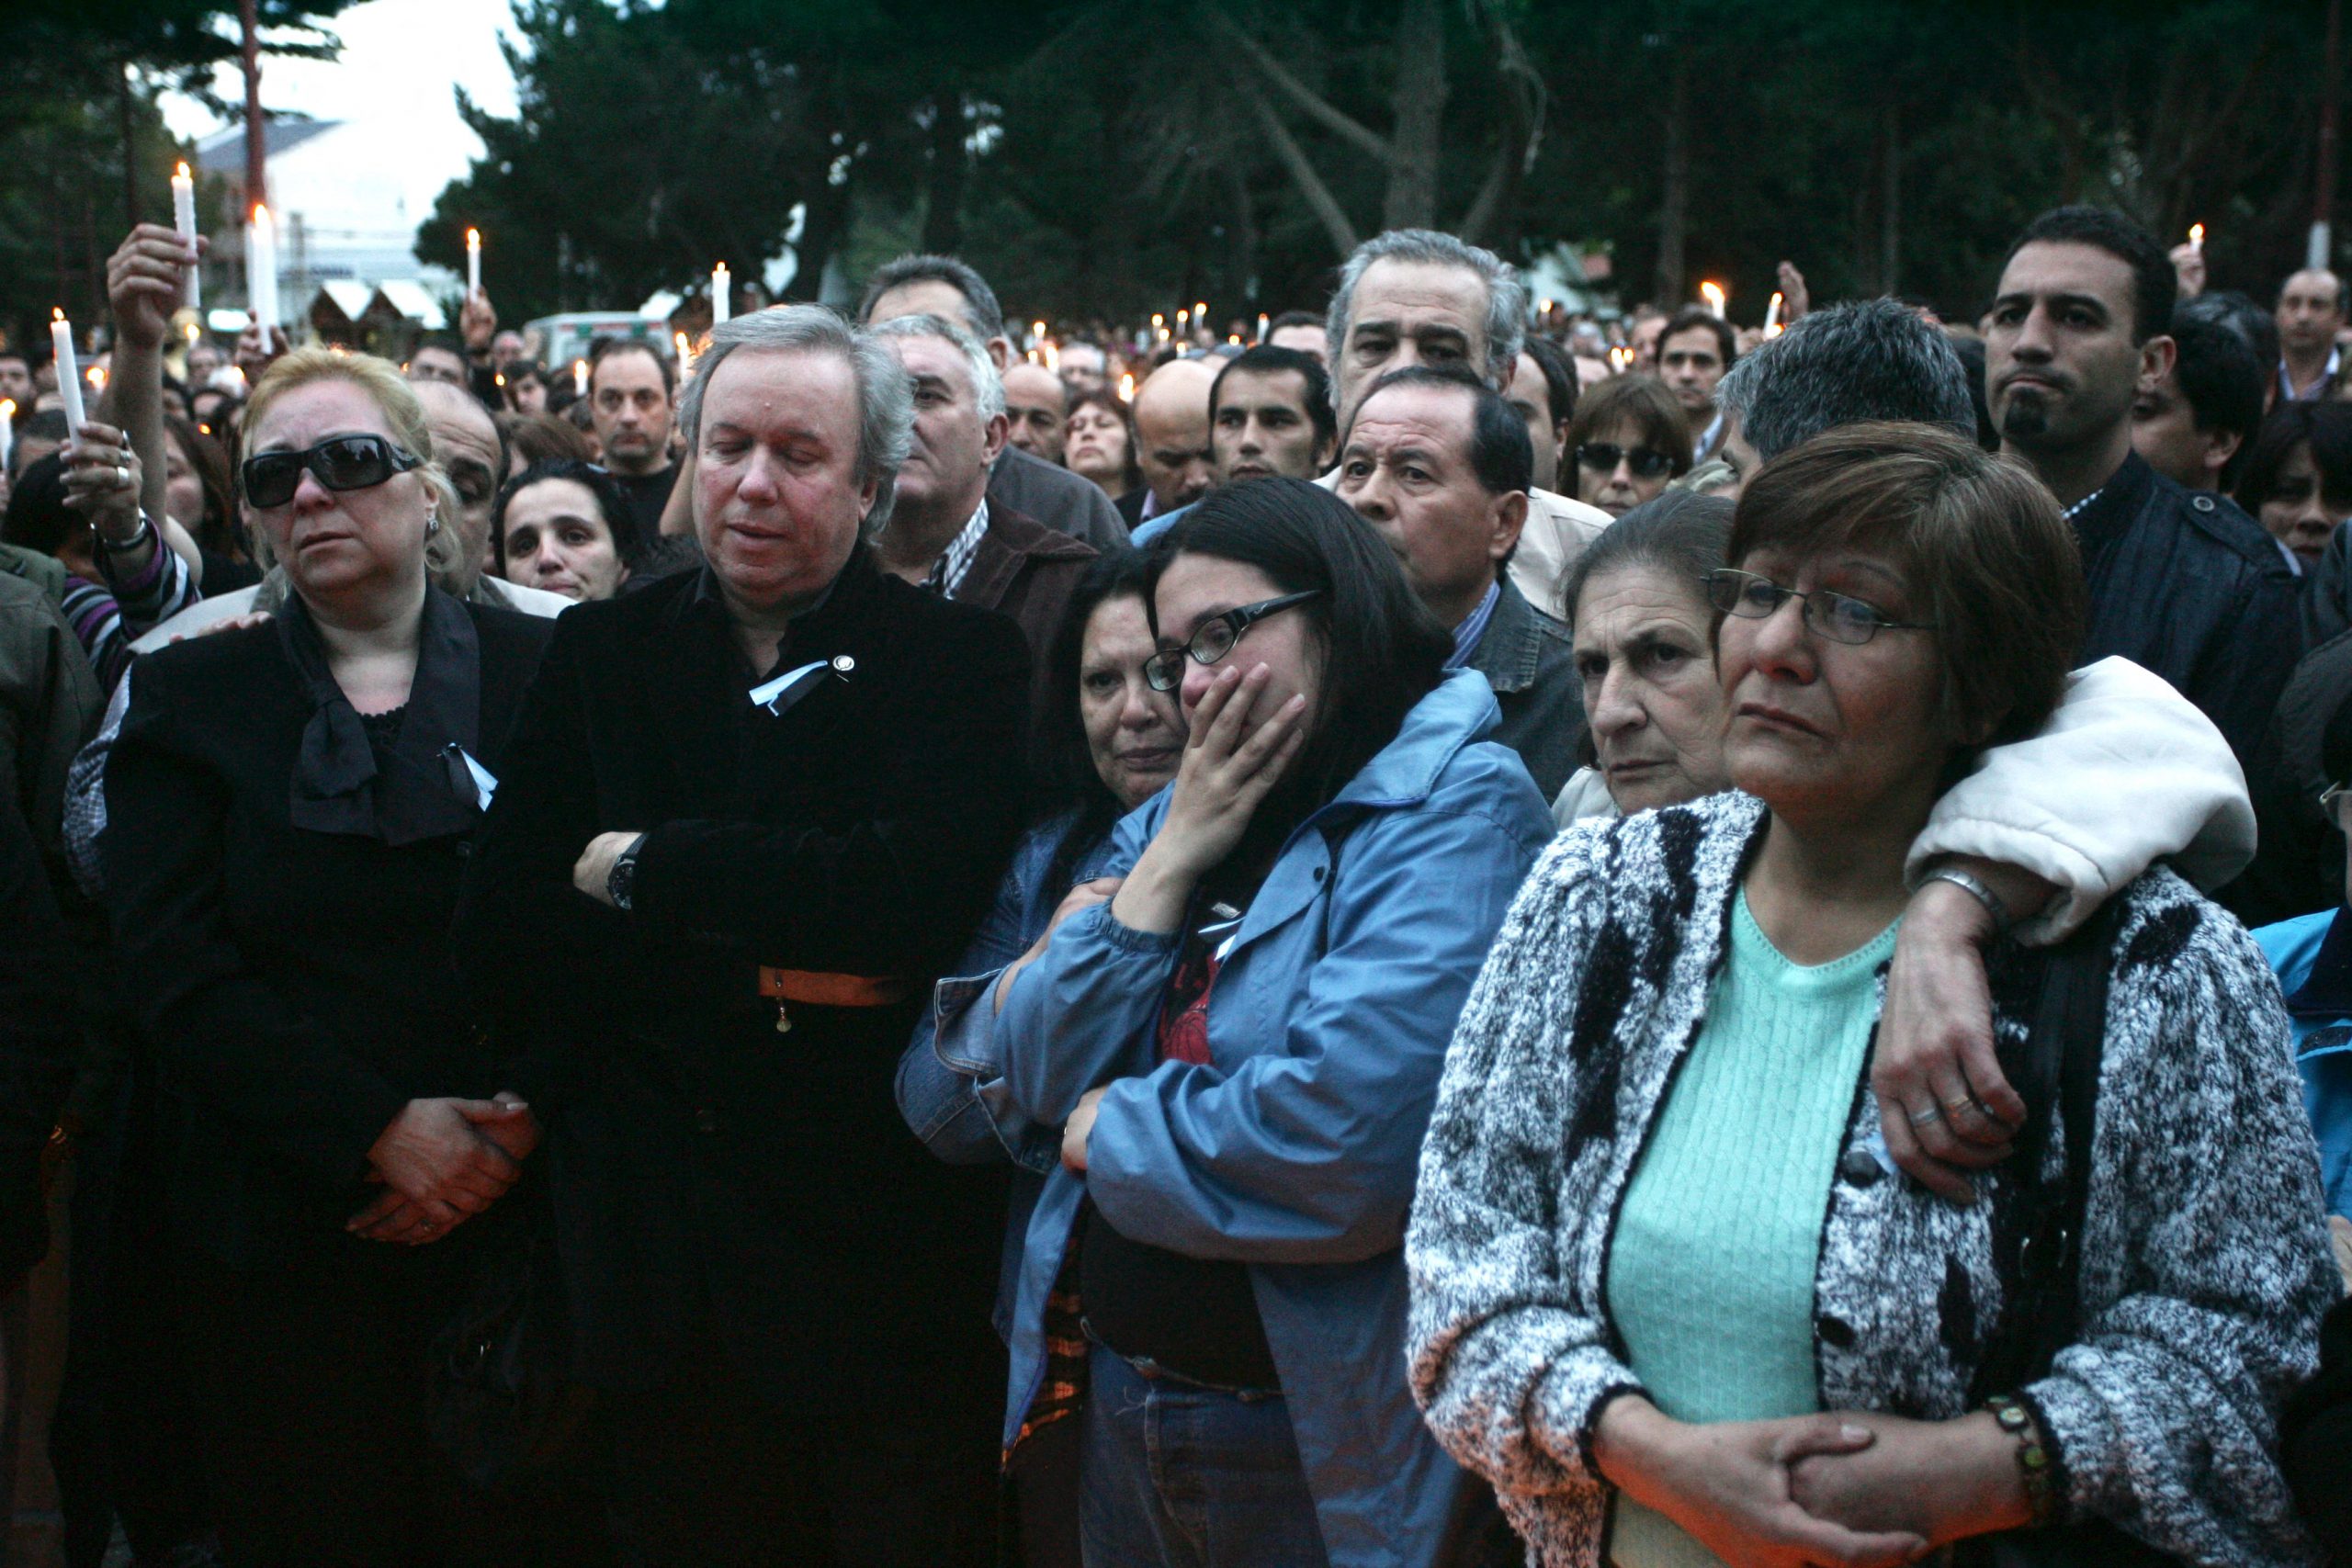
1237, 1030
1630, 438
1669, 1295
290, 805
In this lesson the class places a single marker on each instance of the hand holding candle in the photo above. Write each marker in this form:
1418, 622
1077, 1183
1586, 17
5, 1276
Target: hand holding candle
184, 219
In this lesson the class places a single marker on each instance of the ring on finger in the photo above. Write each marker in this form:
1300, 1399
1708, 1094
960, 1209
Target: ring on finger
1965, 1102
1921, 1118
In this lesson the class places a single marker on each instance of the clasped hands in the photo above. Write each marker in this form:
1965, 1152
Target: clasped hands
443, 1161
1852, 1489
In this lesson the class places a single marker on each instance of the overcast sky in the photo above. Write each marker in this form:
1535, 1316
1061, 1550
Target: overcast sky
400, 59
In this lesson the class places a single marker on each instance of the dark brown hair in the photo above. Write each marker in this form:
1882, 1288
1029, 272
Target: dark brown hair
1989, 561
1645, 401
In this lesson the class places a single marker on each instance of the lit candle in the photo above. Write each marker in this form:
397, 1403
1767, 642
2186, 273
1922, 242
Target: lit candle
1163, 335
1053, 357
1772, 315
1184, 320
1038, 330
1158, 320
1127, 387
96, 376
1233, 338
1713, 294
2197, 238
8, 430
473, 263
722, 295
580, 376
184, 219
1261, 326
686, 354
1543, 310
1201, 315
69, 371
261, 270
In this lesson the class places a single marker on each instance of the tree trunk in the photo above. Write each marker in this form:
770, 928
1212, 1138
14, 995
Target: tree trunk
821, 231
1244, 277
1674, 201
1419, 108
943, 218
129, 147
1890, 206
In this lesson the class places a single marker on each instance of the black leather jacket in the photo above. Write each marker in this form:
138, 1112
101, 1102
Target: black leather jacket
2185, 584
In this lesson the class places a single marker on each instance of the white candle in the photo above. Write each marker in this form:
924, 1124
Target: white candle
7, 429
1772, 314
722, 295
686, 354
261, 270
69, 371
1261, 326
580, 376
184, 219
2197, 238
1713, 294
473, 263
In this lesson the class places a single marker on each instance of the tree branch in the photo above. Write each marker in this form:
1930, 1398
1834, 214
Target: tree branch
1315, 106
1294, 161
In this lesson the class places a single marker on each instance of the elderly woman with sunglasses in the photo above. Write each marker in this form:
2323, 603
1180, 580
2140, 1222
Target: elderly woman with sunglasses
290, 807
1666, 1295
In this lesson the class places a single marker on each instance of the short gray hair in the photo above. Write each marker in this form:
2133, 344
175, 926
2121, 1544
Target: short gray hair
1875, 359
988, 387
885, 409
980, 299
1506, 298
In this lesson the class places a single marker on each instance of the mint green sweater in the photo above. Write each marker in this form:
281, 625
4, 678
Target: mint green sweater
1711, 1271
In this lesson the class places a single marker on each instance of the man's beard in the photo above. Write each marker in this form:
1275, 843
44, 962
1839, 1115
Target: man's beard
2027, 419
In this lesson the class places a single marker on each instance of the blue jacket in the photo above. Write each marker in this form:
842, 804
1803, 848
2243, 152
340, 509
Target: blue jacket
1294, 1149
2313, 957
951, 1050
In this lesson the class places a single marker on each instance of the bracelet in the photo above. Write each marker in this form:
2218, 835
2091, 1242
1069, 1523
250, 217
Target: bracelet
2033, 1458
1976, 890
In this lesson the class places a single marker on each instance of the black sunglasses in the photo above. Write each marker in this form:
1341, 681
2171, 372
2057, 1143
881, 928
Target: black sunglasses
1603, 457
347, 462
1212, 640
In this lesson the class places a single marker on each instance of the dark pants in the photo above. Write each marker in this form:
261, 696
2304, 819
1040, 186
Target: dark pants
1180, 1476
312, 1382
705, 1474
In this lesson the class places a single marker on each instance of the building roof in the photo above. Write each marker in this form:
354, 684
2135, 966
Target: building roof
224, 152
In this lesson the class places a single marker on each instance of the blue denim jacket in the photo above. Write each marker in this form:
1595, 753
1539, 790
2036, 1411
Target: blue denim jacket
2312, 955
951, 1046
1294, 1149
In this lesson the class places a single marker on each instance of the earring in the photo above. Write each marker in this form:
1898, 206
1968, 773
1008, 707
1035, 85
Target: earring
432, 524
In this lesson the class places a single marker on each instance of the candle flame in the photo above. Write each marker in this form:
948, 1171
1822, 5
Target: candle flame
1158, 320
8, 407
2196, 234
1037, 329
183, 173
96, 376
1127, 387
56, 312
473, 239
1198, 311
1712, 293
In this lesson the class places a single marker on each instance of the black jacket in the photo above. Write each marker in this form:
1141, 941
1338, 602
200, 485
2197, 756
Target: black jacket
712, 1174
2185, 584
2299, 859
1057, 498
296, 984
1529, 659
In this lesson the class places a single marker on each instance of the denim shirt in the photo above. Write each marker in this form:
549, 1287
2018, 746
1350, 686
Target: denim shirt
1294, 1149
953, 1048
2313, 957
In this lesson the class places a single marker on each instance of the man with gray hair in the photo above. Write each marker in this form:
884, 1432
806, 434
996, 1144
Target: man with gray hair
949, 288
946, 534
1415, 297
748, 813
1872, 360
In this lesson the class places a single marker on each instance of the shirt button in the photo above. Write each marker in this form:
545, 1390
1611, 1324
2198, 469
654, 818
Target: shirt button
705, 1119
1858, 1167
1835, 1332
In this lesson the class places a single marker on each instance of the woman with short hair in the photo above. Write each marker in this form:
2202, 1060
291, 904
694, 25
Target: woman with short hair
1630, 437
1101, 443
566, 528
2298, 477
1653, 1238
289, 807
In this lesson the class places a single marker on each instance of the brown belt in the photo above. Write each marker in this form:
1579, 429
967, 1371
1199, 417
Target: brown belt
834, 990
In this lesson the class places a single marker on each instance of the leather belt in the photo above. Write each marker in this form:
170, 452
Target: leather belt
818, 989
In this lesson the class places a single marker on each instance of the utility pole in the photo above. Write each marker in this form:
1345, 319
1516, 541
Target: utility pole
2323, 193
256, 142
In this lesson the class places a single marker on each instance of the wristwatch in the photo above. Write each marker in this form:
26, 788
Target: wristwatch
621, 881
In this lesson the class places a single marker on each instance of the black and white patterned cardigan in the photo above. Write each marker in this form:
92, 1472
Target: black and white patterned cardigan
2204, 1268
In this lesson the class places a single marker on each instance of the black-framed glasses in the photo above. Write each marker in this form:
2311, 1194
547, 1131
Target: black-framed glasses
1840, 617
1212, 640
1642, 462
347, 462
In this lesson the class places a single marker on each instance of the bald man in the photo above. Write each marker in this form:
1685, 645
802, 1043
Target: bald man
2311, 312
1038, 405
1173, 435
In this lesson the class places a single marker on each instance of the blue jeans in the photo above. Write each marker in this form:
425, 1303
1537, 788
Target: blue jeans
1181, 1475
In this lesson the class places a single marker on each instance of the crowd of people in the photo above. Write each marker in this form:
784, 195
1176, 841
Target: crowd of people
1452, 936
